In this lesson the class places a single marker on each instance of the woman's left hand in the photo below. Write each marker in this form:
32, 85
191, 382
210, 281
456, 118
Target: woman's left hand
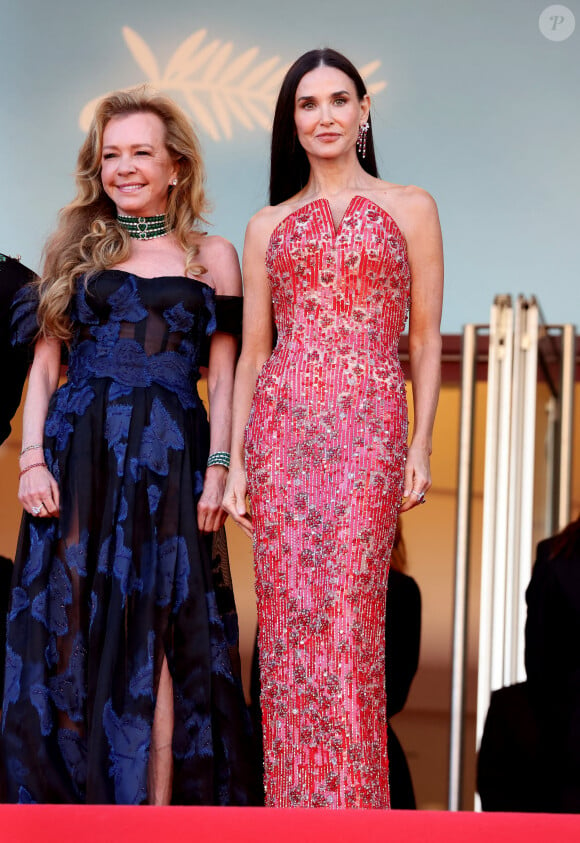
210, 515
417, 477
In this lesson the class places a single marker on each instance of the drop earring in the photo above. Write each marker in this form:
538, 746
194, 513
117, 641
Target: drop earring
361, 141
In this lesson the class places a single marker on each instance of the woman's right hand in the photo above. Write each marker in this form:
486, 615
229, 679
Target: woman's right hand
234, 501
38, 492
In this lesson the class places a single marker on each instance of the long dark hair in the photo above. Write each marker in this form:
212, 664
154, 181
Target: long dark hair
289, 166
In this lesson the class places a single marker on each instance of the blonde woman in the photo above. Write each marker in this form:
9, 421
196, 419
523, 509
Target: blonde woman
121, 679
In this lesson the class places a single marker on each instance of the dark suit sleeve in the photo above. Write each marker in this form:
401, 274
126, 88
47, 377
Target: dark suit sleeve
15, 365
509, 756
553, 665
552, 630
14, 361
541, 634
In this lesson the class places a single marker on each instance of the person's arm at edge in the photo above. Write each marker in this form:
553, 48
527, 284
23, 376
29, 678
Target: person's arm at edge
37, 484
256, 348
225, 268
425, 252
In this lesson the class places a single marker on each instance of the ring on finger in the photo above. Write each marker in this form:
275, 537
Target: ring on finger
35, 510
419, 495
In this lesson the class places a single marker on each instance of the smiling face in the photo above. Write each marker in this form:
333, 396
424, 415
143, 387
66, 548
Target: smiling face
328, 113
136, 168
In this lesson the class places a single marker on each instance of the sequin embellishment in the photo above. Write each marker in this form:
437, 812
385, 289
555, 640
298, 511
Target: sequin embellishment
325, 452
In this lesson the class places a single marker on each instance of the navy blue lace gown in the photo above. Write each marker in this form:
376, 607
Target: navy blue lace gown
123, 577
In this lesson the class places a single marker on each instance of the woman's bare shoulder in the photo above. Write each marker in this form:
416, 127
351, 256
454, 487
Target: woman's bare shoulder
222, 264
216, 247
410, 206
405, 196
267, 218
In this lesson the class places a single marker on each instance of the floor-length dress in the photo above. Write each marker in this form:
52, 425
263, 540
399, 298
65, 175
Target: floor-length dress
325, 452
123, 578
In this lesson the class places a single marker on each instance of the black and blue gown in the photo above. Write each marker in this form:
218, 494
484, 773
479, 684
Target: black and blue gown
123, 578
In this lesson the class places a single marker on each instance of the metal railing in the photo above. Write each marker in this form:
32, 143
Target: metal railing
508, 500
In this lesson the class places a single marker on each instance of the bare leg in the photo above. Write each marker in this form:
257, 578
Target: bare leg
160, 770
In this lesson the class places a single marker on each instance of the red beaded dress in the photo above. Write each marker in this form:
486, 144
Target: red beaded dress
325, 453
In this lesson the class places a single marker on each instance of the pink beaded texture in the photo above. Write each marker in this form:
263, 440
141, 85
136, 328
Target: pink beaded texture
325, 453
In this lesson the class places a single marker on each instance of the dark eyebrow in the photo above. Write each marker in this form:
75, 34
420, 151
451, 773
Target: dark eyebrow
335, 94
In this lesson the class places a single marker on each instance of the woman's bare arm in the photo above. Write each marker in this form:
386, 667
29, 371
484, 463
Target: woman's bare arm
256, 349
37, 487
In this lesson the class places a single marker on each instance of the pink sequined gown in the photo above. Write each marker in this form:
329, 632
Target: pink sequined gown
325, 452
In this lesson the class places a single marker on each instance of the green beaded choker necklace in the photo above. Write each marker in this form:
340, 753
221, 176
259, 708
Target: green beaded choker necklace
144, 228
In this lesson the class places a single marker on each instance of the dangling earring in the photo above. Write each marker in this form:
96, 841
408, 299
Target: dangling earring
361, 141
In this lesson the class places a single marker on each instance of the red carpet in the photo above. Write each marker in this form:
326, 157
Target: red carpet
88, 824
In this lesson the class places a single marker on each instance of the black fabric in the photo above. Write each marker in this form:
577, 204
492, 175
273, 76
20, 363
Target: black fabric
509, 771
13, 361
402, 646
402, 638
400, 781
123, 578
228, 313
553, 667
5, 579
529, 758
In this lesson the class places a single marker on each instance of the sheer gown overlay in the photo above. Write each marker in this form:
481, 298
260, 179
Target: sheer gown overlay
123, 578
325, 453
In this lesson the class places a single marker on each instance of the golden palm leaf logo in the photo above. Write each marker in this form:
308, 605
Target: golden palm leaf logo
218, 88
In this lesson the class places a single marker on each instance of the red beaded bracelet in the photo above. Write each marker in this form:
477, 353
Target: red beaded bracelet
34, 465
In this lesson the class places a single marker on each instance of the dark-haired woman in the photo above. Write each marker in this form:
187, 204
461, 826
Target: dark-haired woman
340, 254
122, 674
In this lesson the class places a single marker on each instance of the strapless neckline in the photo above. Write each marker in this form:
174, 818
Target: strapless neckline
325, 447
355, 201
158, 277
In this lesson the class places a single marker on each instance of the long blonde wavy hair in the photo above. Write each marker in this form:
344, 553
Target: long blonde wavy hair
88, 237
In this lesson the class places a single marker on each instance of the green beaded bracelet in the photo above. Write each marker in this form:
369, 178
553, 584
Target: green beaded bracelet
219, 458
